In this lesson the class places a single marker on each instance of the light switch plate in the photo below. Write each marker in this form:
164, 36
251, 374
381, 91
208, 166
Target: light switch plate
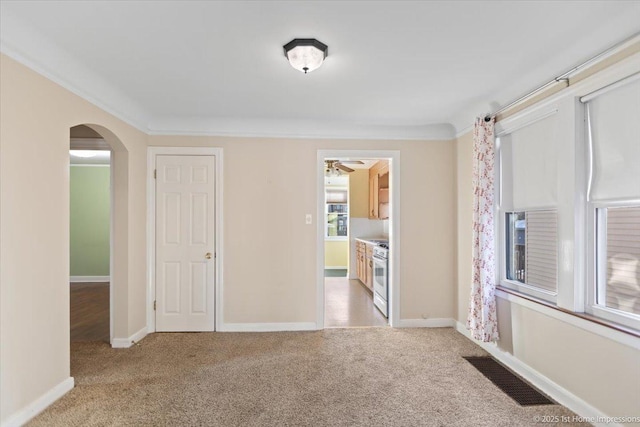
308, 219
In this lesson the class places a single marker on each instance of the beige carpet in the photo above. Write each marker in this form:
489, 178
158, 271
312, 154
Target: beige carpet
335, 377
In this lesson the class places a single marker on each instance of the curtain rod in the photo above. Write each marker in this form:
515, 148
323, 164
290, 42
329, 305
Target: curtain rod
562, 77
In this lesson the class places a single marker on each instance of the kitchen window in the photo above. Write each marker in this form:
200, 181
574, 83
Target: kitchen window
337, 213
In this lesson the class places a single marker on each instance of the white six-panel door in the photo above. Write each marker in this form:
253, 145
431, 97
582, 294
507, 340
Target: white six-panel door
185, 243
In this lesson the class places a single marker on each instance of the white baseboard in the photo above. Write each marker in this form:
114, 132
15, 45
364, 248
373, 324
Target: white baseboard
40, 404
267, 327
426, 323
128, 342
552, 389
89, 279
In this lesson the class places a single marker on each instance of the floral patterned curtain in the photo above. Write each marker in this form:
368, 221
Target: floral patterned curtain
482, 320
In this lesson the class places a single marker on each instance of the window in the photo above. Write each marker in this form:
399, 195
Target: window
613, 118
618, 268
528, 197
568, 199
337, 213
531, 257
516, 258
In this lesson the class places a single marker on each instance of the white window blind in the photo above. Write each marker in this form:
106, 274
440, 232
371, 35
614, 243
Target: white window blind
614, 117
336, 196
541, 244
530, 164
623, 260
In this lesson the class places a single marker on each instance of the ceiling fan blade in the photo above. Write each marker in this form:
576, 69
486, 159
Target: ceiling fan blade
343, 167
352, 162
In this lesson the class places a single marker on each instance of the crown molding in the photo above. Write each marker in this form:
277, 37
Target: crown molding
464, 131
302, 129
27, 46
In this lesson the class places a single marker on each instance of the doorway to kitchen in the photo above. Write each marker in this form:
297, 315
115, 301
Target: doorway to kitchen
356, 206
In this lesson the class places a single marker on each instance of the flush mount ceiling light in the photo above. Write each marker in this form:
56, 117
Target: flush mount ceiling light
84, 153
305, 54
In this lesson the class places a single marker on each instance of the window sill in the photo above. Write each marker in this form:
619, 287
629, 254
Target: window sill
604, 328
528, 291
336, 239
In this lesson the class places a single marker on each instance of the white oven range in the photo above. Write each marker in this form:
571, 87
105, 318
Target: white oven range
381, 277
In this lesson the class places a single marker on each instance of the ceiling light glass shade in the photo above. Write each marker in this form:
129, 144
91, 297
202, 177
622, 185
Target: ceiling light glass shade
84, 153
305, 54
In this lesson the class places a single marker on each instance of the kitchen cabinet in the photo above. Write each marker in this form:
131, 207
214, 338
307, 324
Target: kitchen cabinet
364, 263
369, 268
379, 190
360, 261
373, 194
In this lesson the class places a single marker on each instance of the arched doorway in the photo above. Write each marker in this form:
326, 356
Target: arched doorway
98, 241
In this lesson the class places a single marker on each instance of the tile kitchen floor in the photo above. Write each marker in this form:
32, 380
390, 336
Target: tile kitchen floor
348, 304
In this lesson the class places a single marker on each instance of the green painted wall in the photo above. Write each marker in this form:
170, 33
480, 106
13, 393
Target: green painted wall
89, 221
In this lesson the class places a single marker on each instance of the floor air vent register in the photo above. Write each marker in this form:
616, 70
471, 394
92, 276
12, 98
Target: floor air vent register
508, 382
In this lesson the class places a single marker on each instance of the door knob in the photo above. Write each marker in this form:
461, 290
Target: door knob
208, 255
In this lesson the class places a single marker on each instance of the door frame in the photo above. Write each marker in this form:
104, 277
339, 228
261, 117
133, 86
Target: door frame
152, 153
394, 227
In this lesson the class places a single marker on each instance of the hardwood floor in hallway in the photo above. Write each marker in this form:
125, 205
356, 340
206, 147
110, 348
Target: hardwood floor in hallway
349, 304
89, 312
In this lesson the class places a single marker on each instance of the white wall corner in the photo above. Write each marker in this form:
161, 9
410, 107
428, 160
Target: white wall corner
546, 385
128, 342
444, 322
40, 404
267, 327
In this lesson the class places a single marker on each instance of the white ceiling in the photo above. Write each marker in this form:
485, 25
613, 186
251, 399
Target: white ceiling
396, 69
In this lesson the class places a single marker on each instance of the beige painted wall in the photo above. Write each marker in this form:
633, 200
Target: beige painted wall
464, 212
288, 252
34, 223
603, 372
336, 253
359, 193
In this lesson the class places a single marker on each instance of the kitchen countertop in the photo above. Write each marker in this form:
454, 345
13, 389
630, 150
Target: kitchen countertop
373, 240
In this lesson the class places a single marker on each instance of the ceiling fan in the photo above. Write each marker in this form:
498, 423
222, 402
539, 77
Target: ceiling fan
337, 167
